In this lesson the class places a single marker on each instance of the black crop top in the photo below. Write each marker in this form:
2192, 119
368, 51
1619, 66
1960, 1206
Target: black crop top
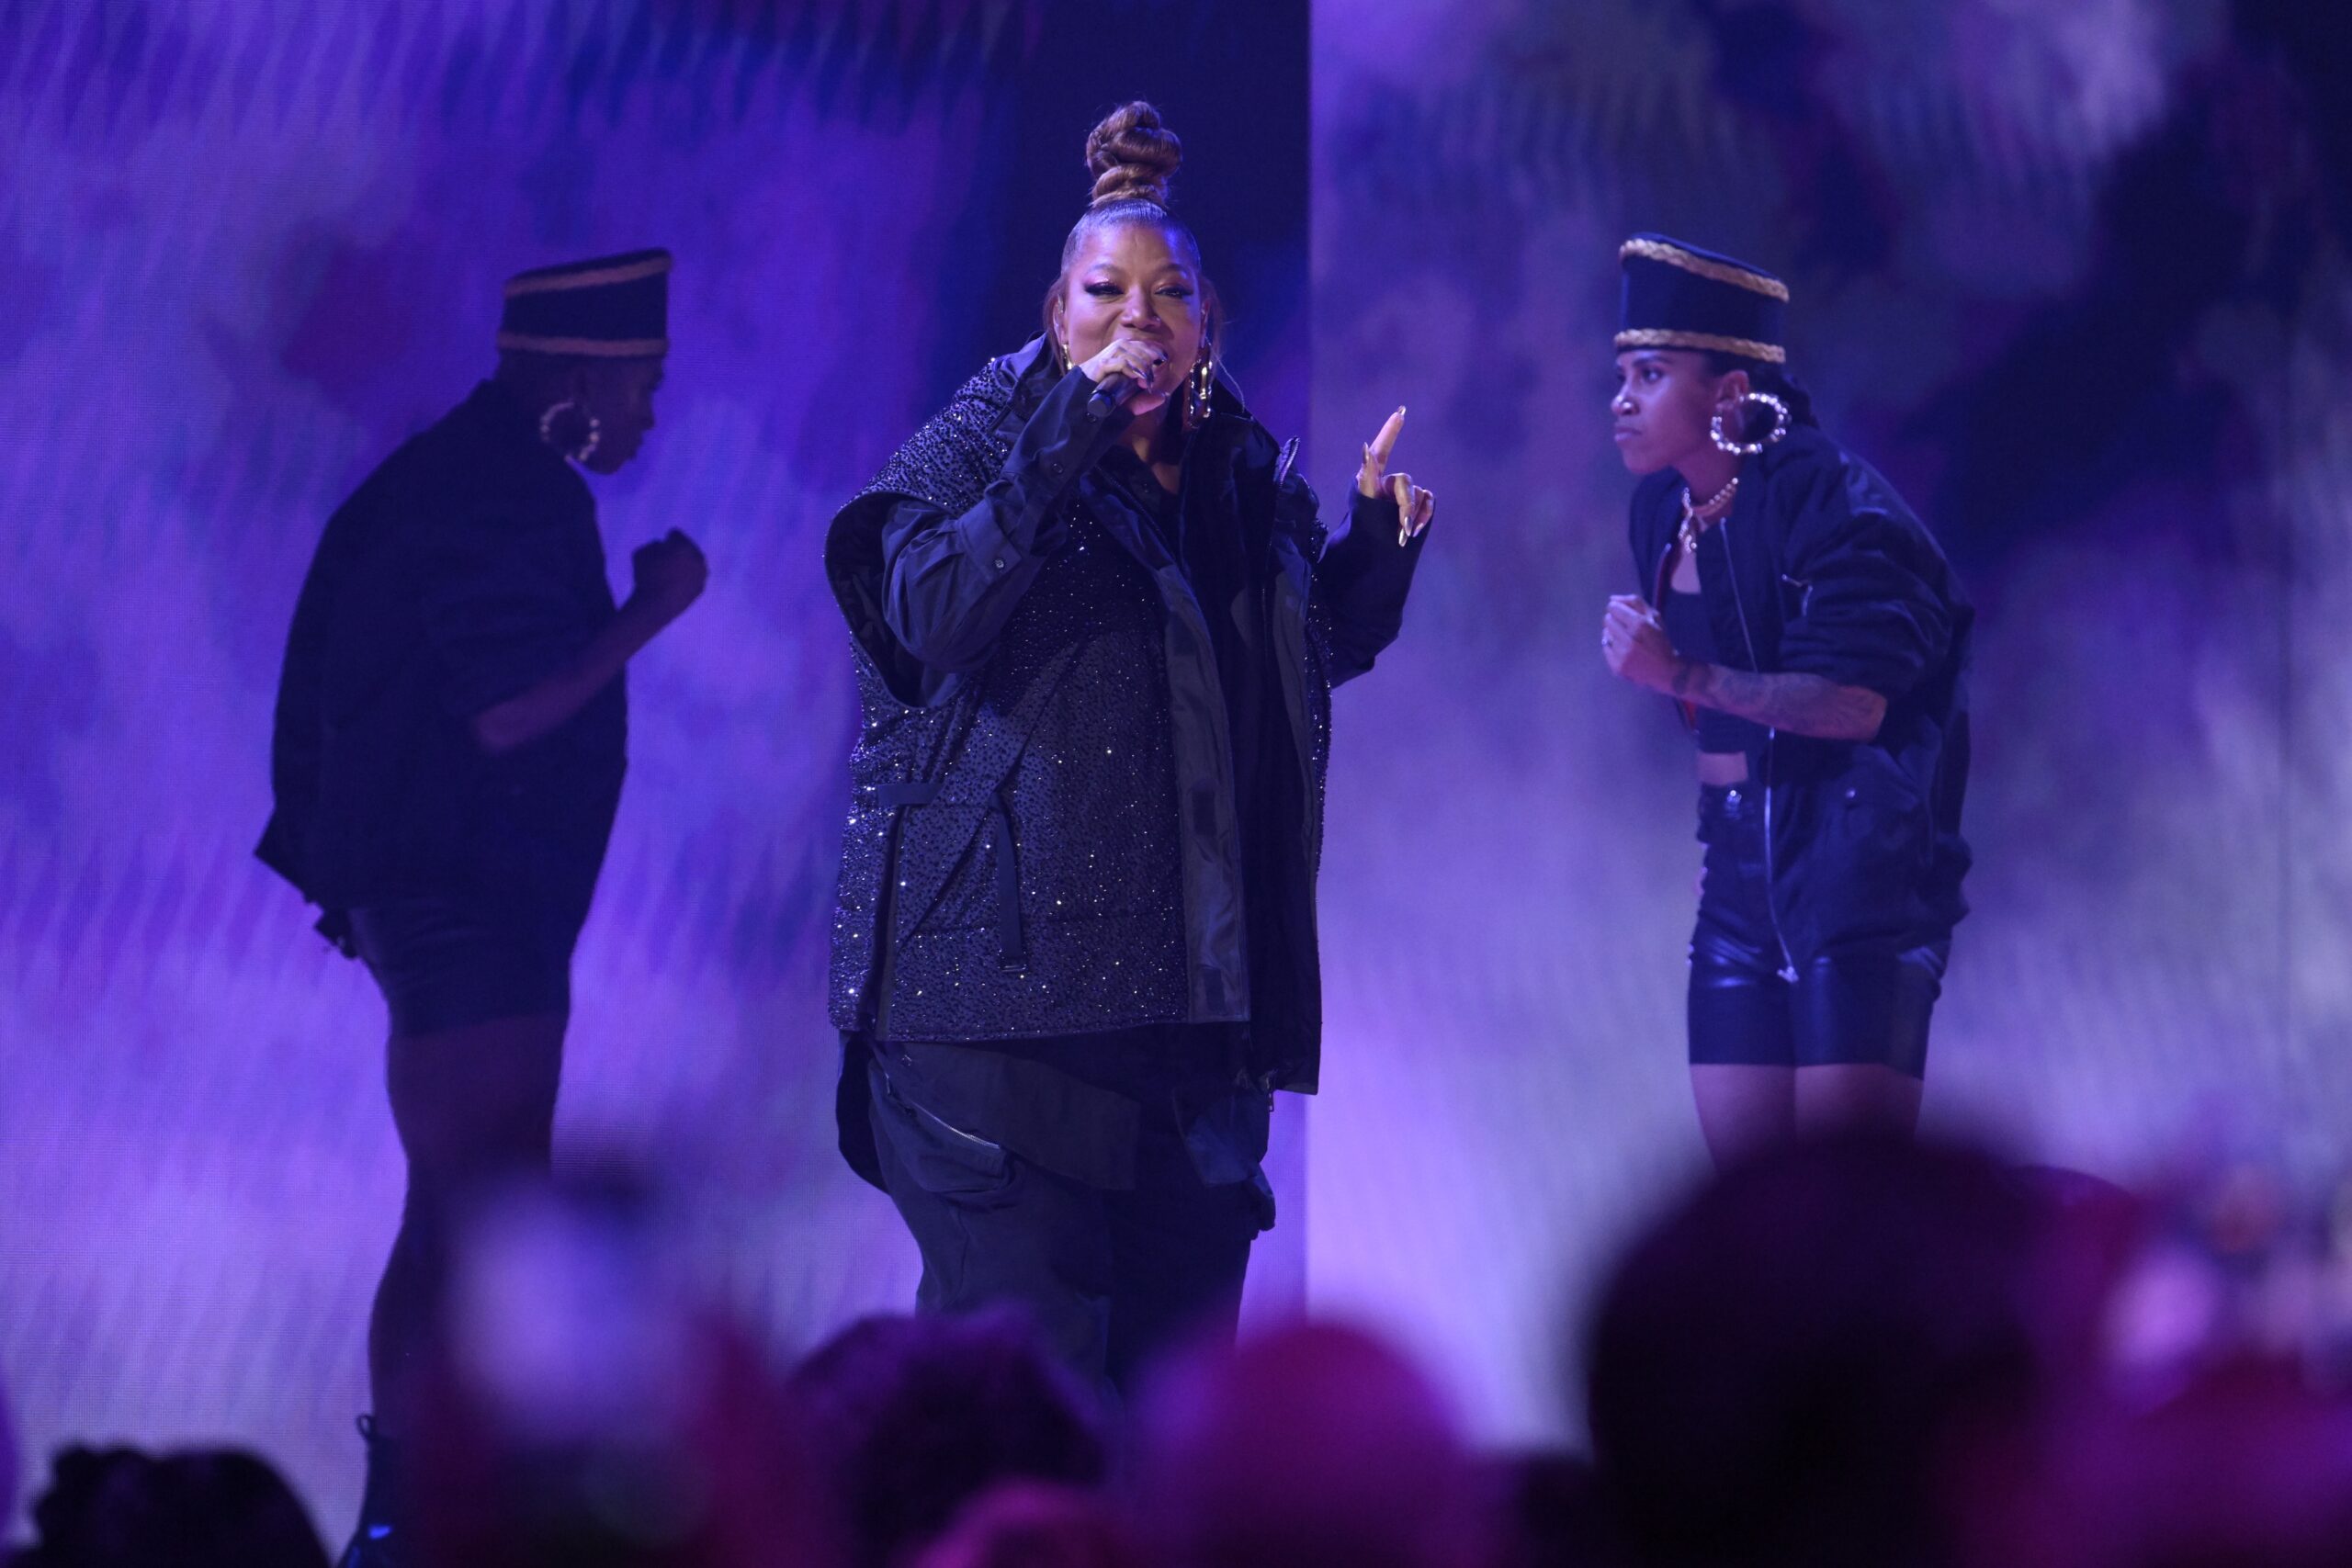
1685, 615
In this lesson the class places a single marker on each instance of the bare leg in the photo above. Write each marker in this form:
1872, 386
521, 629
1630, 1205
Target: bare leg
474, 1105
1842, 1097
1744, 1110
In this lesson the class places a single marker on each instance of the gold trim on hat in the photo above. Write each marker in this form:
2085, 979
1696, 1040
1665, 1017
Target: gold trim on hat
587, 347
544, 282
1721, 272
1666, 337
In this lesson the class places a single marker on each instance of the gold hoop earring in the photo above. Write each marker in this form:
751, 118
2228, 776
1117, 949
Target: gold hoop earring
1199, 384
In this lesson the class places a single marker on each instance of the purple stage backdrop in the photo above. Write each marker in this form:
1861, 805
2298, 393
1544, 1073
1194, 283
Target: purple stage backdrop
2075, 277
245, 248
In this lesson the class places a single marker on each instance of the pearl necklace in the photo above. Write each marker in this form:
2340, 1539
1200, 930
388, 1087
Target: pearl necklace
1712, 508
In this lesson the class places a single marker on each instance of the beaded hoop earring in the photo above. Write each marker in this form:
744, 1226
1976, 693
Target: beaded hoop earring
1781, 422
587, 447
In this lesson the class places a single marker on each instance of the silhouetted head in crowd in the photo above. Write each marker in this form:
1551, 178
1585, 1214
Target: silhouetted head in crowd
1545, 1513
1034, 1524
720, 1481
203, 1508
587, 1412
1777, 1371
1312, 1446
2246, 1467
915, 1416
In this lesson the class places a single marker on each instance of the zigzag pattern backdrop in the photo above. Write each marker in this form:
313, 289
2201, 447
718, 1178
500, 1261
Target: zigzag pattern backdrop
247, 247
2075, 277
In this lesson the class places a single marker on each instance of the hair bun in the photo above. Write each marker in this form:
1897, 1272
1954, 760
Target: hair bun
1132, 156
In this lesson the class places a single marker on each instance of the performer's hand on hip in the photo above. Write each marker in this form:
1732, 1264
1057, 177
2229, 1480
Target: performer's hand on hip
670, 574
1635, 644
1415, 506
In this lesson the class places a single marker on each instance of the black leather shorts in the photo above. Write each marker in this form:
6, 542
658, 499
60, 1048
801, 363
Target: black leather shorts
442, 964
1747, 1009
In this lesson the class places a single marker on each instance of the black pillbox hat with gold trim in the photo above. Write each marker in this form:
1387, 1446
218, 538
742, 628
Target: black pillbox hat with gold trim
609, 308
1677, 296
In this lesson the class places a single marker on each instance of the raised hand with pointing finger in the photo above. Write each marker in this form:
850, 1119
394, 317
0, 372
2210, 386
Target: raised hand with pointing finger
1415, 506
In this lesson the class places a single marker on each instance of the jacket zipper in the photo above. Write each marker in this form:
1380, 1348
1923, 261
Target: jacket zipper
1772, 745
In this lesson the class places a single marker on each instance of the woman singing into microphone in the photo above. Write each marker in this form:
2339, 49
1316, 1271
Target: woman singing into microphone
1096, 631
1817, 643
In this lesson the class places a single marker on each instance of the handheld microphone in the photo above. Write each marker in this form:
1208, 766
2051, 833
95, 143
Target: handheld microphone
1112, 395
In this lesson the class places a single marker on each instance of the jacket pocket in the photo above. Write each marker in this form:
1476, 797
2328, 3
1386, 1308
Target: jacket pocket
1880, 800
1878, 829
942, 1160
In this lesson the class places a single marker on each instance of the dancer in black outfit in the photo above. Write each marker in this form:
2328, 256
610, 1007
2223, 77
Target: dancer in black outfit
451, 739
1818, 643
1096, 632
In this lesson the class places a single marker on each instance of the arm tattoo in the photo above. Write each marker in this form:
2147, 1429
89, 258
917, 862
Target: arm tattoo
1800, 705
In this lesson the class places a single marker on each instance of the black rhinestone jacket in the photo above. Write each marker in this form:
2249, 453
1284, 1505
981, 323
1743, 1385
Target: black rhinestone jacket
1067, 816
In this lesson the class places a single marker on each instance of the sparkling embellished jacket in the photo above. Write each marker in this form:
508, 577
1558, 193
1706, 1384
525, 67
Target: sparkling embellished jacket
1044, 835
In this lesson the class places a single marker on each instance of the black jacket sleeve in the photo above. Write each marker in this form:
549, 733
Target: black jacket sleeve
1361, 581
951, 583
1868, 613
